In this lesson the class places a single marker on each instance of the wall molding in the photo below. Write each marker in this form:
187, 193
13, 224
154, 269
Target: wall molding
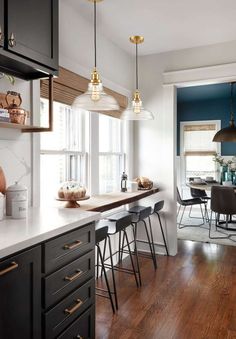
201, 75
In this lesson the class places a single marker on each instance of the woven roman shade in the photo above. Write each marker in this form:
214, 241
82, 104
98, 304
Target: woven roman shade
202, 127
198, 139
69, 85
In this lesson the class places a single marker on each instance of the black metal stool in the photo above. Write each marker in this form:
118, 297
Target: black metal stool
101, 234
156, 210
118, 224
140, 214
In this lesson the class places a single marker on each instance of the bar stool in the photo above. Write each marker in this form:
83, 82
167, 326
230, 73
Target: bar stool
101, 234
156, 210
118, 224
140, 214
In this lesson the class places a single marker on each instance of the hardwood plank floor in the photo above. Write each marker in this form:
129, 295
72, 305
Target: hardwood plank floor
190, 296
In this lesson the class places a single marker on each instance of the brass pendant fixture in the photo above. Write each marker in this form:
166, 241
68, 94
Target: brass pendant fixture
95, 99
136, 111
228, 134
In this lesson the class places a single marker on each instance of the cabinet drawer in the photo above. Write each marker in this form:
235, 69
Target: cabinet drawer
68, 247
64, 313
82, 328
62, 282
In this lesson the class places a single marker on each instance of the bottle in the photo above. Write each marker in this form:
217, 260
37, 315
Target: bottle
123, 184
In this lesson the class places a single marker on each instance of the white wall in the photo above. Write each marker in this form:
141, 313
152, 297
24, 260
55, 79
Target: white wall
15, 147
155, 140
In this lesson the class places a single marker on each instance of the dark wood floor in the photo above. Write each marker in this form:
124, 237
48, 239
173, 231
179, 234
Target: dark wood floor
190, 296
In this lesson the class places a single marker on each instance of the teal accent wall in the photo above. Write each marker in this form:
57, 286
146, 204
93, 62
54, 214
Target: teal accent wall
214, 109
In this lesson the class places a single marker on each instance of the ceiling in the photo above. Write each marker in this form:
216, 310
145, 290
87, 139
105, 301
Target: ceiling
166, 25
208, 92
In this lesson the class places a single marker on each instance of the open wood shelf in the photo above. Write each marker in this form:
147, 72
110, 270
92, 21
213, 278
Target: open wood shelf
23, 128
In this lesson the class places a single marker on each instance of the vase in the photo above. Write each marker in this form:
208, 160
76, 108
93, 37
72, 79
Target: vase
2, 181
223, 174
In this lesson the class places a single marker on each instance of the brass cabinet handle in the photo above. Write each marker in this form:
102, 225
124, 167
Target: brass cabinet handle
74, 308
75, 276
75, 244
12, 267
11, 40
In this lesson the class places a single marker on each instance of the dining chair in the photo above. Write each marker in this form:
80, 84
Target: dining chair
185, 203
223, 201
199, 193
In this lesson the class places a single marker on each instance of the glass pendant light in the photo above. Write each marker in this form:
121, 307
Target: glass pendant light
95, 99
228, 134
136, 111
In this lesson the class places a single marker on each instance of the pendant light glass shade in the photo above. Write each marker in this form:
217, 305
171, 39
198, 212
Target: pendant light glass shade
227, 134
95, 99
136, 111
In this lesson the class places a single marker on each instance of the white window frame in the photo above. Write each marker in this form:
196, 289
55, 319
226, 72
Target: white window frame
121, 154
182, 157
82, 154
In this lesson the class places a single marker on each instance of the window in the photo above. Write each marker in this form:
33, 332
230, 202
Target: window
111, 153
63, 155
197, 149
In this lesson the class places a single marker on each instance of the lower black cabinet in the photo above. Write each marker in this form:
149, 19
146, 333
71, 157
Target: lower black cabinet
82, 328
20, 296
58, 304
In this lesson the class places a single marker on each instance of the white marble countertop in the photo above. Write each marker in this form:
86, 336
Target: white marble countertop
41, 224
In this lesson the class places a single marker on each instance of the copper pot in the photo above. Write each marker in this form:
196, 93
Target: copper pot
17, 114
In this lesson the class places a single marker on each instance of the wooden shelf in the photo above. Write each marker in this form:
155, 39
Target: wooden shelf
23, 128
31, 128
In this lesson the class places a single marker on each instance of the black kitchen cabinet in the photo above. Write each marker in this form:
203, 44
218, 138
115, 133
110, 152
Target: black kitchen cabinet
20, 296
45, 297
30, 38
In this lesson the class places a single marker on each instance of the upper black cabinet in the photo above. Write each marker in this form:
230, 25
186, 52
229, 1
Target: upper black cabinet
29, 37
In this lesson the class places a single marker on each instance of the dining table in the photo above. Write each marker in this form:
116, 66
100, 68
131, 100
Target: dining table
204, 186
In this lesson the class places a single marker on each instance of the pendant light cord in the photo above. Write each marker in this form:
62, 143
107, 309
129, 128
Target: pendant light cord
95, 34
137, 85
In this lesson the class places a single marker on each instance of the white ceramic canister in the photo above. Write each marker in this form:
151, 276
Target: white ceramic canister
2, 200
19, 206
11, 192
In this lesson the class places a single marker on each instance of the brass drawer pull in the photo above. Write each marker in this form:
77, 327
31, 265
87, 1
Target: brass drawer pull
74, 308
75, 276
79, 337
12, 267
75, 244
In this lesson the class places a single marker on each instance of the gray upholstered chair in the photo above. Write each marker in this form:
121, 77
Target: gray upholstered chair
223, 201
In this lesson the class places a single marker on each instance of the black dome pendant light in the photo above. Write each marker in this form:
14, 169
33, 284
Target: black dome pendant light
228, 134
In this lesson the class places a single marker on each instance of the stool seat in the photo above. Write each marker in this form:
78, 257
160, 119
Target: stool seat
104, 222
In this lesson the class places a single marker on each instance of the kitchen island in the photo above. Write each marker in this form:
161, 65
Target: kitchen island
47, 275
